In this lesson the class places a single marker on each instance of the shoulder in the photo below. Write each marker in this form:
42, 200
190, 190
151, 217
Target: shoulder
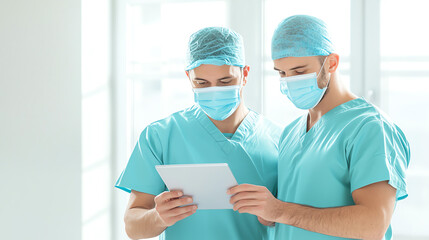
176, 120
369, 117
375, 125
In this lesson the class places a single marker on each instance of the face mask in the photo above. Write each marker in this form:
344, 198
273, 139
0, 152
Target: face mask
218, 102
302, 90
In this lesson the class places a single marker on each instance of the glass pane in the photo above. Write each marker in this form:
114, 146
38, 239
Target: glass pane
157, 37
405, 97
276, 106
96, 124
402, 28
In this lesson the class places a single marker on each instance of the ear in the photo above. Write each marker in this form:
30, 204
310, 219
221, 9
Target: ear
333, 61
246, 70
187, 73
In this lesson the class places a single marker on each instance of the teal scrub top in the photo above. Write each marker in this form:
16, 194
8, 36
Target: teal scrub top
189, 136
350, 147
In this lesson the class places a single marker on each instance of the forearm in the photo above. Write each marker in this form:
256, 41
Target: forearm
143, 223
349, 222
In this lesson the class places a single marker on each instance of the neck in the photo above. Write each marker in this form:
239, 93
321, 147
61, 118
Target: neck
335, 95
231, 124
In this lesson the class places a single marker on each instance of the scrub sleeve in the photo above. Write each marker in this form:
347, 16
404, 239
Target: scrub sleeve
379, 152
140, 173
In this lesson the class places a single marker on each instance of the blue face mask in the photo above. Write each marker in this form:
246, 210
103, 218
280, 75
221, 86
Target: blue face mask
218, 102
302, 90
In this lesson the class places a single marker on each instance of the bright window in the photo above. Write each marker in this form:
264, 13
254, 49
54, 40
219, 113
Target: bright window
405, 97
157, 37
154, 43
96, 121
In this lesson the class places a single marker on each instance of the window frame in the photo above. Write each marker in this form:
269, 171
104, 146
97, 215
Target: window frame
365, 71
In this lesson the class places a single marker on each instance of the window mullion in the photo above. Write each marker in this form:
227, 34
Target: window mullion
246, 17
372, 76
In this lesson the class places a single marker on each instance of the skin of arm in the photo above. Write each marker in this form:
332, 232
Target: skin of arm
148, 215
369, 218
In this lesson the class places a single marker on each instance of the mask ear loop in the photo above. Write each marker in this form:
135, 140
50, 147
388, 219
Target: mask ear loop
329, 80
322, 66
242, 78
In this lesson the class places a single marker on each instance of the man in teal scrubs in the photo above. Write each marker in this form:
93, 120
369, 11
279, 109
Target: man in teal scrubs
342, 165
219, 128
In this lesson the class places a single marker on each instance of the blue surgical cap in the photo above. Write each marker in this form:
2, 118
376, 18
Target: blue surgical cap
301, 36
217, 46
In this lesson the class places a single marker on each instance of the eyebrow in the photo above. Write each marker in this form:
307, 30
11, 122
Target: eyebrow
220, 79
302, 66
227, 77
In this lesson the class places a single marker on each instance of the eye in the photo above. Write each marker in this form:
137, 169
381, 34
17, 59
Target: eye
282, 73
201, 82
226, 81
299, 72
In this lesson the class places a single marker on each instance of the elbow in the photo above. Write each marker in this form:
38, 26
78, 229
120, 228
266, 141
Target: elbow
130, 234
133, 228
379, 232
133, 234
129, 229
380, 224
375, 235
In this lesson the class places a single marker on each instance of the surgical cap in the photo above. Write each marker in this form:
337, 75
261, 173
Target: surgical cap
217, 46
301, 36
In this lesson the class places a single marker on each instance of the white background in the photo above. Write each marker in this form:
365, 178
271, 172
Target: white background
80, 80
40, 120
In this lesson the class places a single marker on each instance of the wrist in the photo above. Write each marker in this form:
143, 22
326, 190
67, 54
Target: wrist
158, 222
285, 213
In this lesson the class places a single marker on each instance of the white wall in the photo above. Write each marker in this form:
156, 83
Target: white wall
97, 181
40, 118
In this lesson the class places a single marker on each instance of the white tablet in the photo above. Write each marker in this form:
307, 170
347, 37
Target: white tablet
206, 183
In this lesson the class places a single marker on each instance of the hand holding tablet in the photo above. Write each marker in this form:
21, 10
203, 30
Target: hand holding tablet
207, 184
